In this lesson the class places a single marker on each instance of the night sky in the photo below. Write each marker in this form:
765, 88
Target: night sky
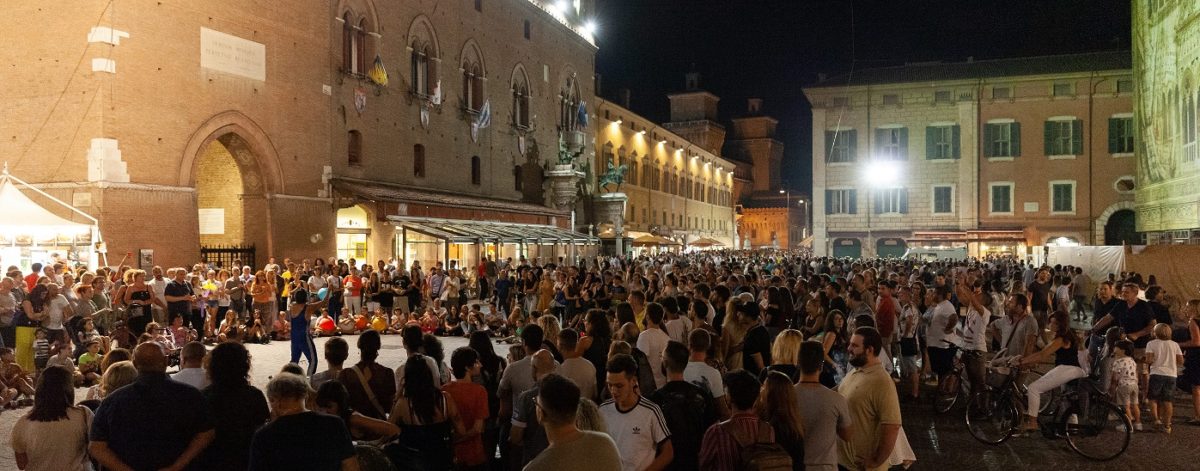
772, 48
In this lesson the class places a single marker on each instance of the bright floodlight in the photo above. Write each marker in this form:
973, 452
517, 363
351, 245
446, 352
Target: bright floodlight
589, 27
881, 174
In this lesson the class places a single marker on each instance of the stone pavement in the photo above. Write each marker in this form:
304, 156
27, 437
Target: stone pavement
267, 360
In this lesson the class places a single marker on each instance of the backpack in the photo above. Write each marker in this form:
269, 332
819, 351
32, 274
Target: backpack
646, 384
760, 455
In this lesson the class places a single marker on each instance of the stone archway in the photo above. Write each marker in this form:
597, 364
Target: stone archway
233, 166
1101, 222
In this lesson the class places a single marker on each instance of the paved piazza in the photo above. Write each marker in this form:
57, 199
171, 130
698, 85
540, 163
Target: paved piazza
940, 441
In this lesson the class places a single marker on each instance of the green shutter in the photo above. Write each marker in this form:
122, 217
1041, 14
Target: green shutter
881, 138
1077, 137
956, 141
852, 137
1114, 142
828, 201
1015, 136
930, 142
853, 201
903, 201
989, 137
1048, 137
903, 143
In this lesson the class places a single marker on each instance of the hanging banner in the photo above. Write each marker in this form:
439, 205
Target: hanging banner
378, 72
360, 100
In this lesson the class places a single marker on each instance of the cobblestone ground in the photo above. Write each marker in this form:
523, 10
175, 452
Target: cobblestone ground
941, 442
267, 360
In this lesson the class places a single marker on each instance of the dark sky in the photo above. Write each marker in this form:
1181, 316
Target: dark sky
772, 48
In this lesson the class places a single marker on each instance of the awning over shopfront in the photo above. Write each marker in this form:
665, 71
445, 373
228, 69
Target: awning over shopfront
458, 231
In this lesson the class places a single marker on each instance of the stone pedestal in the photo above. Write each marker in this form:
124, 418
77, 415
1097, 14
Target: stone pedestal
563, 181
610, 208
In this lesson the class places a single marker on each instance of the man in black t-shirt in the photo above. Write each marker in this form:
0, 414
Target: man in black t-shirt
1104, 303
756, 347
687, 408
1133, 316
1040, 293
179, 298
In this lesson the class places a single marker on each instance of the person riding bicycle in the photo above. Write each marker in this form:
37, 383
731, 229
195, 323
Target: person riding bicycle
1065, 347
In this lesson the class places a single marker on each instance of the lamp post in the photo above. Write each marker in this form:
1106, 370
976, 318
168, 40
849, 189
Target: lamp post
804, 230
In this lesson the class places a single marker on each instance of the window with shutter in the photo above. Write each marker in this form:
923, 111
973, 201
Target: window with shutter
941, 142
943, 199
1001, 198
841, 146
1120, 135
891, 143
1062, 197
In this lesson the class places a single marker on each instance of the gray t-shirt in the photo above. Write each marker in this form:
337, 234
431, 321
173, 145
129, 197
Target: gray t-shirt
591, 451
1023, 329
583, 373
517, 379
823, 411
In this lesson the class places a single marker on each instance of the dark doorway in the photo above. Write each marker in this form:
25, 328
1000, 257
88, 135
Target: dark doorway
1121, 229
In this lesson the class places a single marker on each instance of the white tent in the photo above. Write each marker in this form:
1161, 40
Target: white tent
25, 222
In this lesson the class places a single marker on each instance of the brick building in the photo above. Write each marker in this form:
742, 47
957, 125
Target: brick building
769, 215
994, 156
253, 123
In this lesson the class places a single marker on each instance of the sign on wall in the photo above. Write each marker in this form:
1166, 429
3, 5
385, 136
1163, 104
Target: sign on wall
212, 221
232, 55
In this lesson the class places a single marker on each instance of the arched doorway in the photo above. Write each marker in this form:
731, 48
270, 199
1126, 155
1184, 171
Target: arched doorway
851, 248
1121, 228
231, 201
890, 247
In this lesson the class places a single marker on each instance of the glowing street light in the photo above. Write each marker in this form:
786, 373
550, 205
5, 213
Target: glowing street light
881, 174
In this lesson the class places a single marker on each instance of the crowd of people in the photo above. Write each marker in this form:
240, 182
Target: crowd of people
722, 360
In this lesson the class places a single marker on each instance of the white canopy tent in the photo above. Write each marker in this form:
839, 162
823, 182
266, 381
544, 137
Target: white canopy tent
27, 228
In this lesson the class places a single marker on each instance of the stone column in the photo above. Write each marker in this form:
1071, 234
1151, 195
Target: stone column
563, 181
610, 208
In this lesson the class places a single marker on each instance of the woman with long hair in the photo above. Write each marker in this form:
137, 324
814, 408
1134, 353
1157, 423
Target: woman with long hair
426, 417
785, 355
138, 299
836, 340
545, 292
237, 408
733, 332
53, 436
1065, 348
778, 406
593, 346
814, 316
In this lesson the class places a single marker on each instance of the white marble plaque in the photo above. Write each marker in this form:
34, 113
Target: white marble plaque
212, 221
233, 55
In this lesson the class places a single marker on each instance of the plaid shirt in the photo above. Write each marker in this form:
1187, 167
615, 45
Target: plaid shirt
720, 451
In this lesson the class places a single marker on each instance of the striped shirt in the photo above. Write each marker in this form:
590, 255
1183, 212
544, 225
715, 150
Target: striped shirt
637, 432
720, 450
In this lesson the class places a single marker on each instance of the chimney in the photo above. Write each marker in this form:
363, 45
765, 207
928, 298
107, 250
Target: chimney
692, 81
754, 106
623, 96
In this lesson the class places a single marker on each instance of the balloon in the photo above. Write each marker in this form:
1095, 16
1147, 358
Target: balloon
326, 325
321, 293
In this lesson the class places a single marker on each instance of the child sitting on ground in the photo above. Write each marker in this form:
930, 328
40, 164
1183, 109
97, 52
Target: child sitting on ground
16, 377
379, 323
1125, 382
89, 363
62, 359
1164, 357
89, 333
324, 325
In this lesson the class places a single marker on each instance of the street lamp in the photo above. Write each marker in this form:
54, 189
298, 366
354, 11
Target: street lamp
804, 230
878, 175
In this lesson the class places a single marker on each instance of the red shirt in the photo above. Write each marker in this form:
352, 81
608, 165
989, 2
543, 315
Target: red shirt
31, 281
354, 284
471, 401
885, 316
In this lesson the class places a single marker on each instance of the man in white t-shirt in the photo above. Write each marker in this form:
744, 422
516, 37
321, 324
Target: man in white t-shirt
698, 371
635, 423
57, 309
653, 340
974, 328
574, 367
940, 336
678, 324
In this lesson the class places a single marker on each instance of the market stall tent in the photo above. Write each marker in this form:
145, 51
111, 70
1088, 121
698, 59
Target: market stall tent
27, 223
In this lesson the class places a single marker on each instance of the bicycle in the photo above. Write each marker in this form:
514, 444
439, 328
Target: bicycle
954, 384
1093, 425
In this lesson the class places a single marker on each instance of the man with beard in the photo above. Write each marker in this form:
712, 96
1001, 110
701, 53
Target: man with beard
873, 404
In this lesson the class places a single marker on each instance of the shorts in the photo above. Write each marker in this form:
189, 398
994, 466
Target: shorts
1126, 395
941, 360
908, 365
1161, 388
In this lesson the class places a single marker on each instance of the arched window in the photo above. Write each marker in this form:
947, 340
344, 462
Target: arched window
419, 160
476, 173
473, 74
360, 47
425, 54
631, 173
354, 148
348, 48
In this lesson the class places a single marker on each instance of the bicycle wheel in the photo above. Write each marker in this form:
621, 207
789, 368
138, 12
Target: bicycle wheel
992, 417
1100, 433
948, 390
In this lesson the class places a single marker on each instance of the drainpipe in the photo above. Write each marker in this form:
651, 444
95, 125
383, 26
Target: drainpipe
1092, 84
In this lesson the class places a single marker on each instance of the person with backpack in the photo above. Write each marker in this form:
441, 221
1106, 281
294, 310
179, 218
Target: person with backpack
687, 407
744, 442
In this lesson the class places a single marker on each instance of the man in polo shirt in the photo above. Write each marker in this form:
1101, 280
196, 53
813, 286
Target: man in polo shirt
635, 423
145, 425
179, 296
874, 406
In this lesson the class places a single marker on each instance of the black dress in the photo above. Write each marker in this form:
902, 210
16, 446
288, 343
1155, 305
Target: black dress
597, 353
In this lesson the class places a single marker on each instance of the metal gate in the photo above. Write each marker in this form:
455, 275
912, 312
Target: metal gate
224, 256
